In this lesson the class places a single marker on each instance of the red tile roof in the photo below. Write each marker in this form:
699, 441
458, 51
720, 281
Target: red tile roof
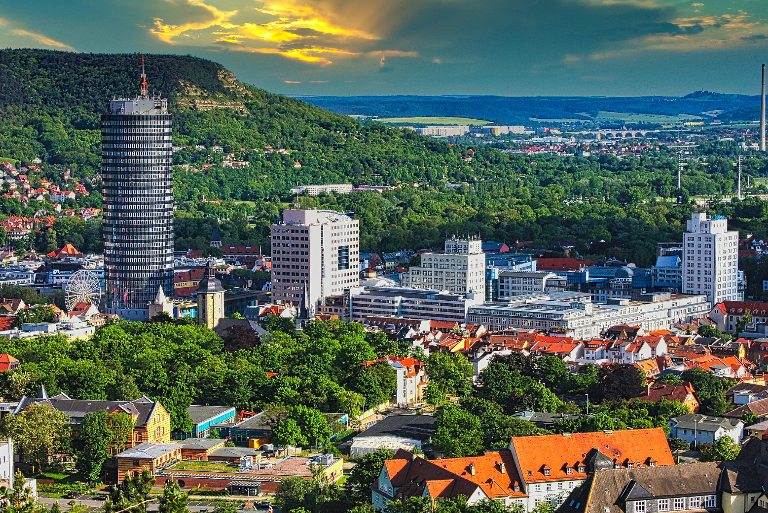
657, 392
494, 473
561, 452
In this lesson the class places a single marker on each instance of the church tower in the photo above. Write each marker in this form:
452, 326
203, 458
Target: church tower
210, 299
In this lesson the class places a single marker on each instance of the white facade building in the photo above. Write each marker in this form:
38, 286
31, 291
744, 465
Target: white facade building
461, 269
314, 190
710, 259
513, 284
573, 313
6, 463
315, 254
695, 428
433, 305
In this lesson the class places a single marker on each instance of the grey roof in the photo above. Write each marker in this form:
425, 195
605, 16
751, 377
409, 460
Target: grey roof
606, 491
233, 452
226, 324
412, 427
148, 450
76, 409
200, 443
703, 422
200, 413
258, 421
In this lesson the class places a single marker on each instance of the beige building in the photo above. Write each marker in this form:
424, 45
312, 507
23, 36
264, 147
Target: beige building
210, 299
315, 254
460, 270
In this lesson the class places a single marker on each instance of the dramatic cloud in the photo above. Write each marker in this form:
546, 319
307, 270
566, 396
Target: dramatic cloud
422, 46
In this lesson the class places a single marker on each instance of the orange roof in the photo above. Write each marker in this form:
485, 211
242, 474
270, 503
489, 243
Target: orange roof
560, 452
554, 348
6, 323
660, 333
494, 473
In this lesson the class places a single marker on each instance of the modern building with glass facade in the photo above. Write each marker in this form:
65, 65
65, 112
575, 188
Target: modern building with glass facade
138, 203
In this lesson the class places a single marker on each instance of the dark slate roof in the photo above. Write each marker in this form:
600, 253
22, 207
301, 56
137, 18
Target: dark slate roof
412, 427
200, 444
233, 452
76, 409
606, 490
199, 413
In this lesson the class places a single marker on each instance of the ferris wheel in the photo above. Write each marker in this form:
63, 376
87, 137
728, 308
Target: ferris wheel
82, 287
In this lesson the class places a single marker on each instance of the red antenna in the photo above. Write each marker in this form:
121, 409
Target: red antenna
144, 86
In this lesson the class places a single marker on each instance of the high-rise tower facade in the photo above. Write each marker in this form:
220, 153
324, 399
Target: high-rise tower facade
137, 175
711, 259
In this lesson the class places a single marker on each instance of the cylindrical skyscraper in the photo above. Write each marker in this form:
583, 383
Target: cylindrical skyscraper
137, 174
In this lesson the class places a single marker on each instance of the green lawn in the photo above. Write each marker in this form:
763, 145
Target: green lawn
209, 466
430, 120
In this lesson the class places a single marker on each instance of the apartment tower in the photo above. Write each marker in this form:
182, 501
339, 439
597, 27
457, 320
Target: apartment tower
315, 254
460, 269
136, 172
711, 259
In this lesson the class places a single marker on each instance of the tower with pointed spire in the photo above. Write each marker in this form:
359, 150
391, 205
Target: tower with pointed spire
210, 299
136, 171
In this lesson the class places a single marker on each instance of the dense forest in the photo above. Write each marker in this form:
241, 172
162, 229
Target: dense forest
600, 205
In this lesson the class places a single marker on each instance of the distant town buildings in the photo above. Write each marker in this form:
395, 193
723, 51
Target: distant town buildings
710, 260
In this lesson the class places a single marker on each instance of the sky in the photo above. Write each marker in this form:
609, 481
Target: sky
425, 47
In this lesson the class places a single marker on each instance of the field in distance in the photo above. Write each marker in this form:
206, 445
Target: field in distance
434, 120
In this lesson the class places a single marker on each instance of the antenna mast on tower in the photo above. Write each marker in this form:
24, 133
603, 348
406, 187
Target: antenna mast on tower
144, 86
740, 159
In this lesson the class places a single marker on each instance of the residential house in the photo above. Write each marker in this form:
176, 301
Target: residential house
629, 351
566, 349
491, 476
411, 378
623, 332
696, 429
595, 351
692, 487
731, 487
759, 408
551, 466
684, 394
656, 342
152, 423
727, 314
8, 362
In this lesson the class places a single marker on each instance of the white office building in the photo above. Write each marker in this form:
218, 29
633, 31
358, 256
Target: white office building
710, 259
573, 313
513, 283
315, 254
460, 270
433, 305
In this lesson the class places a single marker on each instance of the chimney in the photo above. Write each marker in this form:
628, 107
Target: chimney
762, 113
503, 468
472, 469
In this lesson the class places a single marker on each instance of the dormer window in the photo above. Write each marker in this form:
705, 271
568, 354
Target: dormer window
547, 471
582, 469
569, 471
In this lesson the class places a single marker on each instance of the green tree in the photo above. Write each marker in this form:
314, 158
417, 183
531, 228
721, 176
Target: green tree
749, 418
39, 432
173, 499
366, 472
724, 449
294, 492
19, 499
93, 442
130, 495
746, 318
312, 423
458, 433
288, 432
121, 425
451, 371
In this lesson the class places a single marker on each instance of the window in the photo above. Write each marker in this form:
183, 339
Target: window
694, 502
679, 503
663, 504
710, 501
639, 506
135, 463
569, 470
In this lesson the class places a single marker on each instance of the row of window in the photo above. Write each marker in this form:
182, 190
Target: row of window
679, 503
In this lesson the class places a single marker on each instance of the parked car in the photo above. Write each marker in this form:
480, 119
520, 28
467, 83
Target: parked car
72, 495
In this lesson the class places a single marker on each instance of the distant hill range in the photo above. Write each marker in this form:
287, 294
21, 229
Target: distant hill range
525, 109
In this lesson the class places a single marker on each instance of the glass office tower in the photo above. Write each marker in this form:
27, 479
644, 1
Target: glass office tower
137, 175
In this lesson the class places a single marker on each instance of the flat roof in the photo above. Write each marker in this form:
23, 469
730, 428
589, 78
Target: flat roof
412, 427
149, 450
